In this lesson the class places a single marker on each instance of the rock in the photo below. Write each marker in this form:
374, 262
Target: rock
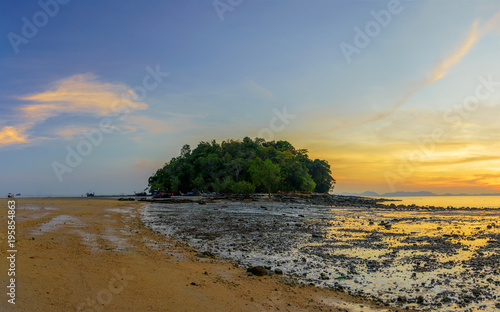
278, 271
206, 254
126, 199
258, 271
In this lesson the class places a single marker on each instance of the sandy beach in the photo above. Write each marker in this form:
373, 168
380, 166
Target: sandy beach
90, 254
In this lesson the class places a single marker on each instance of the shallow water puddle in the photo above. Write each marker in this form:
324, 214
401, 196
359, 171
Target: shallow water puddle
56, 222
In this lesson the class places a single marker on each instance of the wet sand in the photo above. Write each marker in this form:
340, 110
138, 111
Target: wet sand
90, 254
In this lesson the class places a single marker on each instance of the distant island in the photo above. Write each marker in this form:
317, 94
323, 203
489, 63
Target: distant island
243, 167
413, 194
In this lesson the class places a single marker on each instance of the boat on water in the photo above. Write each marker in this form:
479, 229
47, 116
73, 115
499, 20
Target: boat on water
141, 194
161, 194
90, 194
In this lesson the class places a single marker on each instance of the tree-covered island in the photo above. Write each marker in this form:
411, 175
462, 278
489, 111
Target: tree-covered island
243, 167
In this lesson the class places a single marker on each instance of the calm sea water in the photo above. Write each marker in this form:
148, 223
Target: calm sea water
455, 201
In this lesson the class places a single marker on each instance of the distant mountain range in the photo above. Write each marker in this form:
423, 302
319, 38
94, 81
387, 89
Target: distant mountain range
414, 194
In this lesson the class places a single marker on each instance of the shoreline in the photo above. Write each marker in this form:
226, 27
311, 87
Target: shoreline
313, 199
91, 253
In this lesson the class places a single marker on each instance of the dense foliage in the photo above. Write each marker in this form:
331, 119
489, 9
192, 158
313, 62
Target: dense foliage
243, 167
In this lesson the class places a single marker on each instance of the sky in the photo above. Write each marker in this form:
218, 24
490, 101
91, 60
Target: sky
395, 95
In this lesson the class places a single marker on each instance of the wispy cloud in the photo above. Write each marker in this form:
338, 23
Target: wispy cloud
438, 72
82, 94
77, 95
454, 58
149, 124
254, 86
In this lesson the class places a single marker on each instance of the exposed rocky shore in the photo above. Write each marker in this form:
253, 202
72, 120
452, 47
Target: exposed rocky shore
426, 258
311, 199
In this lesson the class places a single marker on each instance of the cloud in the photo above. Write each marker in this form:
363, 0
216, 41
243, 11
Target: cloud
454, 58
140, 163
11, 135
404, 145
150, 124
260, 89
81, 94
438, 72
77, 95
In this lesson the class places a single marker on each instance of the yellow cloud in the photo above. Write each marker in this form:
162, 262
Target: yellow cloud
11, 135
68, 133
76, 95
82, 94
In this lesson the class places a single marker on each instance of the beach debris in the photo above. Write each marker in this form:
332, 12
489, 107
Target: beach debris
126, 199
278, 271
257, 270
205, 254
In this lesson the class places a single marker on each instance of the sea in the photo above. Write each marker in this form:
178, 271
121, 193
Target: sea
453, 201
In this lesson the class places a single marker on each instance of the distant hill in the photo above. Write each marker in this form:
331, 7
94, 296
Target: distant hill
403, 194
370, 194
367, 193
394, 194
414, 194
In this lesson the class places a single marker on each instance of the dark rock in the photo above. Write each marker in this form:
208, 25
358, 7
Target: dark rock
258, 271
278, 271
206, 254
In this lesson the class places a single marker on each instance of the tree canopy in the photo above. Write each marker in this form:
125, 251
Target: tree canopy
246, 166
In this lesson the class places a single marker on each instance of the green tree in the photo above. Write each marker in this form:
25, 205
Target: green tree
322, 175
243, 187
258, 164
264, 173
227, 184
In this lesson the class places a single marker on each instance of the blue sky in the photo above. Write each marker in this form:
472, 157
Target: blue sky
227, 77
